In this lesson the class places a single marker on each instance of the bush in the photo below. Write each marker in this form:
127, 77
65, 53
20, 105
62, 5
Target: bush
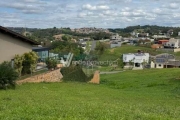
29, 62
18, 60
74, 73
51, 63
7, 76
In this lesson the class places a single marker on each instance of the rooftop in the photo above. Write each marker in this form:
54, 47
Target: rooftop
17, 35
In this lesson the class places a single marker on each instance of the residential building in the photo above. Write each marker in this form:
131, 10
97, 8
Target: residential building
43, 53
162, 42
178, 33
135, 60
160, 36
143, 35
172, 43
12, 43
115, 44
116, 37
164, 60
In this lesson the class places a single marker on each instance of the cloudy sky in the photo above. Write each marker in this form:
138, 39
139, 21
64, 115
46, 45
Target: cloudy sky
89, 13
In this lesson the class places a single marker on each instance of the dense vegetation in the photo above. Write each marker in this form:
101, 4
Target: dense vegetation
47, 34
29, 62
146, 95
62, 47
7, 76
44, 35
74, 73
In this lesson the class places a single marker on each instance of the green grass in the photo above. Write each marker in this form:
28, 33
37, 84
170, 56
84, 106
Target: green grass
108, 68
144, 95
88, 47
114, 53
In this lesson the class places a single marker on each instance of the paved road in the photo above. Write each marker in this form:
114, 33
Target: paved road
93, 46
113, 72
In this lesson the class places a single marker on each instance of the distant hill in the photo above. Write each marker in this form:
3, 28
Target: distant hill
48, 33
151, 29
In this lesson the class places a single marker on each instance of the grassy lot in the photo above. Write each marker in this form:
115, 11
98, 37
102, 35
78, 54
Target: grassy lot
114, 53
88, 46
146, 94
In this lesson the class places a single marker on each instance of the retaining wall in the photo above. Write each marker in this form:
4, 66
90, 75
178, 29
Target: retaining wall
50, 76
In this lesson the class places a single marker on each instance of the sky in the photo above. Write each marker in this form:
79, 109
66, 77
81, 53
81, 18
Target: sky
89, 13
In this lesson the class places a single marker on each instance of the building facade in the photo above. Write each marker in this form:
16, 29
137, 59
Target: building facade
12, 43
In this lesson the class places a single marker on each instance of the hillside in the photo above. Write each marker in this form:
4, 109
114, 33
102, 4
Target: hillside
151, 29
48, 33
114, 53
148, 95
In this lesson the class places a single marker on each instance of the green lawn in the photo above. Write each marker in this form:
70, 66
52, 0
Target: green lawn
114, 53
144, 95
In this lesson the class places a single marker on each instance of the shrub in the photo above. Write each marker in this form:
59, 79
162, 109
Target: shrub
29, 63
7, 76
51, 63
74, 73
100, 48
18, 60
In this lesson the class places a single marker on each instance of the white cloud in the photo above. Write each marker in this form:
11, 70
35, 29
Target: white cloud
89, 7
84, 13
102, 7
174, 6
96, 7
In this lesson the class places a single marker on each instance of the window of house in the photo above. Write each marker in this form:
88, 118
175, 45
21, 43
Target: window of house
159, 65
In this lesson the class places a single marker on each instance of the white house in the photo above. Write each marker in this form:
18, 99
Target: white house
178, 33
135, 60
173, 43
160, 36
116, 37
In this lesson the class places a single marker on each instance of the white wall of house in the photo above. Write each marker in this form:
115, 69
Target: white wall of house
173, 43
178, 33
158, 65
152, 64
9, 46
128, 57
138, 59
116, 37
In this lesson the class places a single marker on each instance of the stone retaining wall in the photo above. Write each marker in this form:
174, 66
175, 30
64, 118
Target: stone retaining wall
50, 76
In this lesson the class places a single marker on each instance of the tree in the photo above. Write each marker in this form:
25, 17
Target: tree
29, 63
8, 75
18, 60
65, 38
100, 48
51, 63
120, 61
61, 47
